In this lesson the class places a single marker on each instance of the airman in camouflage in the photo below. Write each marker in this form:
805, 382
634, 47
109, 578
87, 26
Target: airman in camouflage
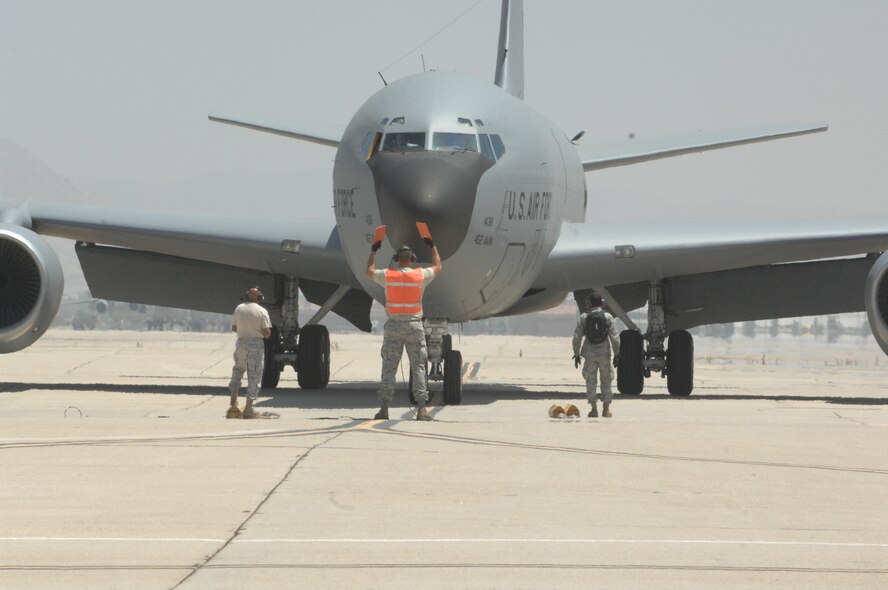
253, 326
597, 355
404, 286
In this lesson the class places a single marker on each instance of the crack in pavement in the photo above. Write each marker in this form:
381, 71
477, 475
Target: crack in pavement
243, 524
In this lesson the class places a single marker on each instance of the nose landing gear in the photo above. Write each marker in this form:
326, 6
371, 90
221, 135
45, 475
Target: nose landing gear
444, 364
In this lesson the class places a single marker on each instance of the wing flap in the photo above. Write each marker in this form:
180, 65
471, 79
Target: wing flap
121, 274
767, 292
633, 152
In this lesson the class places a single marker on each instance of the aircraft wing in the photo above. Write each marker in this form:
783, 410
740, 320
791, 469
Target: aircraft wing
719, 273
197, 261
311, 133
588, 254
633, 152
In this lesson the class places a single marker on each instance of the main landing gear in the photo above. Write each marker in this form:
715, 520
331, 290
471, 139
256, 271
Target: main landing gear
307, 350
676, 362
445, 364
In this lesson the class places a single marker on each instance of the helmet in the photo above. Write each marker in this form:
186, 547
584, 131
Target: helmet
594, 300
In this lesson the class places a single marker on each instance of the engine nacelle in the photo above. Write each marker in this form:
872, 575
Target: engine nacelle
876, 294
31, 284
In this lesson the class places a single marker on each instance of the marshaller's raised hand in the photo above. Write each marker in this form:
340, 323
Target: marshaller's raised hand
376, 246
429, 242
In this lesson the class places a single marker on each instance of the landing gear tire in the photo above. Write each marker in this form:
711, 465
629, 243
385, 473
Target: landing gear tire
630, 372
453, 378
271, 373
313, 357
680, 363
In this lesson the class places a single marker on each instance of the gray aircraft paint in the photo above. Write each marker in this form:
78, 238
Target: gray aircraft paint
520, 197
498, 252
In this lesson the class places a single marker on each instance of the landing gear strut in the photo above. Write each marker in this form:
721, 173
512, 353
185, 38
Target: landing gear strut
445, 364
675, 363
307, 349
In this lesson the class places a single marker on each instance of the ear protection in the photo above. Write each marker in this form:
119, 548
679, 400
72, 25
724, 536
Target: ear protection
246, 296
403, 248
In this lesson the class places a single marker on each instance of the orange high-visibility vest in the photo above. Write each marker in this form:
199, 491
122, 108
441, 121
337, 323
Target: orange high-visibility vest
403, 292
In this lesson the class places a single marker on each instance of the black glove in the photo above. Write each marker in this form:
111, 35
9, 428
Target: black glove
429, 242
616, 360
376, 246
577, 361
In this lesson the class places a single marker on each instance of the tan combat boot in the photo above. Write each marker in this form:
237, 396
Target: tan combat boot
382, 414
423, 414
250, 412
233, 411
607, 411
593, 413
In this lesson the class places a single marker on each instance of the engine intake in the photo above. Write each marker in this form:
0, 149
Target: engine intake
876, 293
31, 284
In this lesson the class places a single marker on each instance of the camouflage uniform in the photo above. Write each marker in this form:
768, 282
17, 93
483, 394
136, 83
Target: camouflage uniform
250, 320
404, 331
249, 356
597, 356
398, 335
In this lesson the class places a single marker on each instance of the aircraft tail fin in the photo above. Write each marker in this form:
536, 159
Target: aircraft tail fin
510, 50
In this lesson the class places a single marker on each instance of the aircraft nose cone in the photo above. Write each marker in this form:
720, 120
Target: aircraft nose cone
435, 187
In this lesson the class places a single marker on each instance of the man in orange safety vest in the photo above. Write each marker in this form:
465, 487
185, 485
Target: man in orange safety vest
404, 286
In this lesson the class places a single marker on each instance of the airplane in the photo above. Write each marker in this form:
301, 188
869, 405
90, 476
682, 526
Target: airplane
504, 193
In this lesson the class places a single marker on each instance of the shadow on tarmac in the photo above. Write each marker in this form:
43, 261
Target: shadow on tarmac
362, 394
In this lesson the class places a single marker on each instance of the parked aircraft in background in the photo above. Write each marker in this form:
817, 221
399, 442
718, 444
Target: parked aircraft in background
504, 193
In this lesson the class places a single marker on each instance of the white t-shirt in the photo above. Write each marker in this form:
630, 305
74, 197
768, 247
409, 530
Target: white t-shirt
251, 319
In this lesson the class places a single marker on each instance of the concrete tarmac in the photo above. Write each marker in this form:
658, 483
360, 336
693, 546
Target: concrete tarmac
119, 470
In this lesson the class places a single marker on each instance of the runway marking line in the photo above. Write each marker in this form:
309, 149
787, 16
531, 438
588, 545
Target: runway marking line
457, 541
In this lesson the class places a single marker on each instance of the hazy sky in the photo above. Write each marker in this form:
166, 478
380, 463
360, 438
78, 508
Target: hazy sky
114, 94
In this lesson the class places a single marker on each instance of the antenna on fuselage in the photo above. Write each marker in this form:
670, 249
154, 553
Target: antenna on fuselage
577, 137
383, 79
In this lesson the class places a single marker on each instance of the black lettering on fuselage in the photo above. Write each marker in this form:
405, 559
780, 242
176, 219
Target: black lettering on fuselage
528, 206
343, 202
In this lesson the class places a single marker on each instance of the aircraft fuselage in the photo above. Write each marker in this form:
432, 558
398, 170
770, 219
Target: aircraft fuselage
492, 178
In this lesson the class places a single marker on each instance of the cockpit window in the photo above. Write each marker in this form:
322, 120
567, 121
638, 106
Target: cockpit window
462, 142
498, 148
464, 121
397, 121
404, 142
486, 150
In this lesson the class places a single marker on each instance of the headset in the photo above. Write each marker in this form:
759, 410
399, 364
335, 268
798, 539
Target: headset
403, 248
246, 295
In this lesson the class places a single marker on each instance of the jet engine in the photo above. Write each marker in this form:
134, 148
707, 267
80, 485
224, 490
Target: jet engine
31, 284
876, 294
